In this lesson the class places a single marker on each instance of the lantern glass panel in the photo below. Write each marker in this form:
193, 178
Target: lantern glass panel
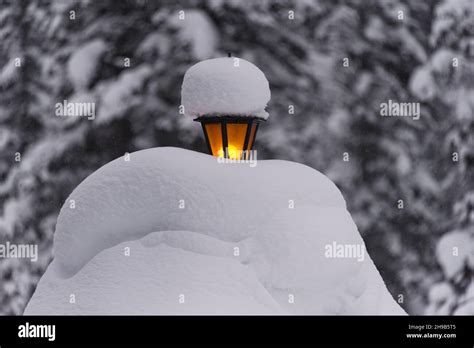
214, 136
252, 136
236, 133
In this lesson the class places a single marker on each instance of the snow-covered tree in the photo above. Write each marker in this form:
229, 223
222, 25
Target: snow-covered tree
330, 65
447, 79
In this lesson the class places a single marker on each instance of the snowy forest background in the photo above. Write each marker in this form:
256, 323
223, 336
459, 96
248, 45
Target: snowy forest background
78, 50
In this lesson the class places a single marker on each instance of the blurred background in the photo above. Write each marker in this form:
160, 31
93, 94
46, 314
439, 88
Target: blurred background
129, 58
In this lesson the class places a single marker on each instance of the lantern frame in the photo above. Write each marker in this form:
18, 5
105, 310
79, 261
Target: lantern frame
223, 121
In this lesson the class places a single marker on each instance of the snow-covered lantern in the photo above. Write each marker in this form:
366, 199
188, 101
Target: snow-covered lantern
228, 96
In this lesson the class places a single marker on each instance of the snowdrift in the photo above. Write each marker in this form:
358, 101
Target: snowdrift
172, 231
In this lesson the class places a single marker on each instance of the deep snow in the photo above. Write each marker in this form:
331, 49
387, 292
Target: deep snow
225, 86
235, 247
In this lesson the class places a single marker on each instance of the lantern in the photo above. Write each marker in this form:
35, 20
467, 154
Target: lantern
229, 136
228, 96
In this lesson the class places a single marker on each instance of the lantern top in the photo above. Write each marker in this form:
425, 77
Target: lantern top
227, 86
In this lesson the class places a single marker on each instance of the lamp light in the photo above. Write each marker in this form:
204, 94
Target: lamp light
230, 137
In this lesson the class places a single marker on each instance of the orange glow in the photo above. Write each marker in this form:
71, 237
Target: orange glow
215, 138
236, 134
232, 152
236, 138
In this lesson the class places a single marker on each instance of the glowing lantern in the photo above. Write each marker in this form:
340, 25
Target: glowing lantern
229, 136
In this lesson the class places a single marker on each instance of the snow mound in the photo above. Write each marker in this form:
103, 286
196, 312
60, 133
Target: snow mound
225, 86
184, 273
207, 237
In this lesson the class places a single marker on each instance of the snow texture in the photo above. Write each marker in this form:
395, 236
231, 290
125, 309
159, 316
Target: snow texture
116, 96
422, 84
82, 64
197, 28
442, 299
234, 248
453, 252
466, 306
225, 86
8, 72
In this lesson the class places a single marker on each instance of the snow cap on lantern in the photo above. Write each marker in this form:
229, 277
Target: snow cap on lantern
227, 86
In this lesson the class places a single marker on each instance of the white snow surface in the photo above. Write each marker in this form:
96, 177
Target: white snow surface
8, 72
198, 29
82, 64
225, 86
453, 252
422, 83
117, 96
235, 248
